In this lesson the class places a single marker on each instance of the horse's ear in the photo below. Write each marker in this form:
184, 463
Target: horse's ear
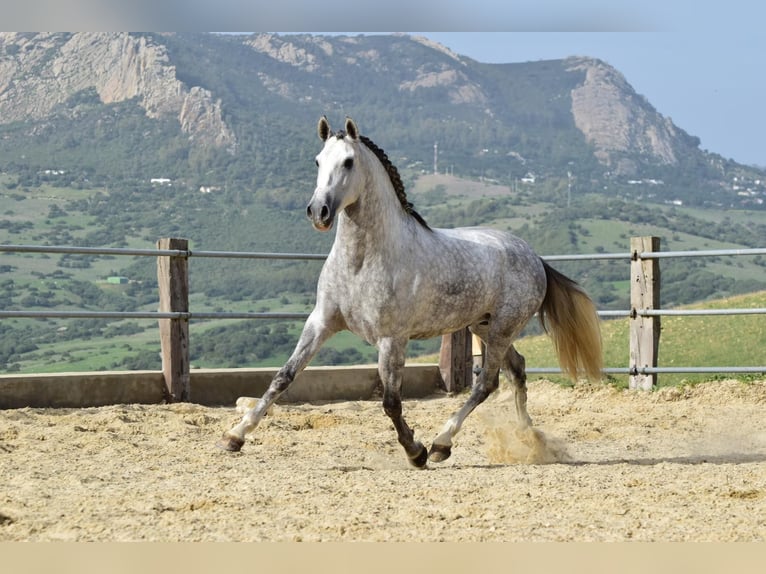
351, 130
323, 128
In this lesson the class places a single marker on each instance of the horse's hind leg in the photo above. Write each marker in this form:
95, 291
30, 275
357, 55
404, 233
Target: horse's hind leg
514, 367
390, 367
486, 383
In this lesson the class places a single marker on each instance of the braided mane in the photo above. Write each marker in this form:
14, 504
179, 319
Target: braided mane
393, 175
396, 180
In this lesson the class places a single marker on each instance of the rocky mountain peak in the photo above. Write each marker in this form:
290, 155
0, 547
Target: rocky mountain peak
119, 66
616, 120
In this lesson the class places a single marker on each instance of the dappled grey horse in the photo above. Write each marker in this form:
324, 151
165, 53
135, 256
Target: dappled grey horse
390, 277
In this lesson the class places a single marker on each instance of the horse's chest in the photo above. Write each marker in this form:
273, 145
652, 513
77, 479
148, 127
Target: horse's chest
370, 304
366, 297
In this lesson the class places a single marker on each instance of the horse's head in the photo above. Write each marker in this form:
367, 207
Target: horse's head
338, 182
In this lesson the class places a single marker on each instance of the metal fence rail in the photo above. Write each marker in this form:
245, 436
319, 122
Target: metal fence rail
657, 370
190, 316
185, 315
625, 256
156, 252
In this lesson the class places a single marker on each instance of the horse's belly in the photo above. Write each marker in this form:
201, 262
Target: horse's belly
399, 321
443, 323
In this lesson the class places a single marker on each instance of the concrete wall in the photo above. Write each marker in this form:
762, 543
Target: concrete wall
208, 386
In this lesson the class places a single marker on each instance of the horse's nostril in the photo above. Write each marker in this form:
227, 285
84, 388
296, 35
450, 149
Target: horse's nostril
308, 211
325, 212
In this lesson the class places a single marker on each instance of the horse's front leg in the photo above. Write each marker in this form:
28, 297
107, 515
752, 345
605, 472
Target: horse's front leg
315, 333
391, 367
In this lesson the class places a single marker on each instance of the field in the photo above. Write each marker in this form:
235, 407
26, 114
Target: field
684, 341
48, 282
685, 463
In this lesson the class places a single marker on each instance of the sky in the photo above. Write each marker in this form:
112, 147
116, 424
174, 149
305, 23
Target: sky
699, 62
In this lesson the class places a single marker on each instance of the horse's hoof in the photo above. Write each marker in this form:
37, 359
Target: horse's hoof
439, 453
420, 458
230, 443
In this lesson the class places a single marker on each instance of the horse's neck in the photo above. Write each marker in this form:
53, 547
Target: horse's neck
376, 223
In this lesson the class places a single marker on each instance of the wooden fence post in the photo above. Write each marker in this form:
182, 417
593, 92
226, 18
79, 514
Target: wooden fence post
644, 294
173, 279
456, 361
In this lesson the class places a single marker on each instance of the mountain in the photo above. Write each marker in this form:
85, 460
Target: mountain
117, 139
40, 73
241, 109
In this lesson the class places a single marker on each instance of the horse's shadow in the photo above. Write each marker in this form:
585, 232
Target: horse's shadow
719, 458
725, 458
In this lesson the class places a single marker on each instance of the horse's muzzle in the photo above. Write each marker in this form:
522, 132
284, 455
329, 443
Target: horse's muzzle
321, 215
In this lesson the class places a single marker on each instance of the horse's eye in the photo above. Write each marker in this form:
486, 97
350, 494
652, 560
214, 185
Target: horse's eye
348, 164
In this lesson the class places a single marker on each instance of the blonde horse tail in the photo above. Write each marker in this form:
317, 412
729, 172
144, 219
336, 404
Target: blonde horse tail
569, 316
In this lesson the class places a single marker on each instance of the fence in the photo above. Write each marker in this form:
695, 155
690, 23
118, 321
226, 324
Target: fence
456, 358
644, 316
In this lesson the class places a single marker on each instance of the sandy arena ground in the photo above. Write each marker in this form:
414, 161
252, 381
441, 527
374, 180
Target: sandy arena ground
672, 465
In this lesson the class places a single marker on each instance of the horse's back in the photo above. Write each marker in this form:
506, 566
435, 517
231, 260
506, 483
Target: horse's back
496, 248
481, 271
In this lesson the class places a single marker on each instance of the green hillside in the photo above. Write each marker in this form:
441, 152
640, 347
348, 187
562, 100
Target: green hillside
704, 341
136, 216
